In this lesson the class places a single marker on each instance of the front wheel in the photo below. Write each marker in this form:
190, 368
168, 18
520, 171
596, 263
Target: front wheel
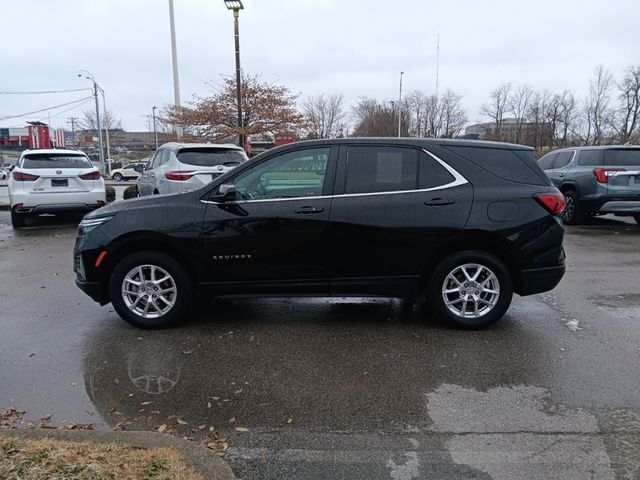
470, 289
117, 177
150, 290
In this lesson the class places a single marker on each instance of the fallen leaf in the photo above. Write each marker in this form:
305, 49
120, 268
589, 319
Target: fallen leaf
241, 429
214, 398
290, 419
208, 404
232, 420
146, 403
181, 422
162, 428
238, 392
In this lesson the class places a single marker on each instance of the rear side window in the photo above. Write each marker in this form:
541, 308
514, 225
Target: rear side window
381, 169
513, 165
52, 160
546, 162
564, 158
589, 157
432, 174
209, 157
628, 157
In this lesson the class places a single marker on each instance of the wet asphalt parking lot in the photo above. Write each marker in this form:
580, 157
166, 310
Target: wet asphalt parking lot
343, 388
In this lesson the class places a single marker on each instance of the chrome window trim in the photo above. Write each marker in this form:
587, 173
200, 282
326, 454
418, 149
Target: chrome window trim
458, 180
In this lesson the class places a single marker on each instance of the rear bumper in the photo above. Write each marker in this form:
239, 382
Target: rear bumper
58, 208
621, 207
625, 204
540, 280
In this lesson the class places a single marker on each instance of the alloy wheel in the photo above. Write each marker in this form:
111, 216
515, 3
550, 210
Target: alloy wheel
149, 291
470, 290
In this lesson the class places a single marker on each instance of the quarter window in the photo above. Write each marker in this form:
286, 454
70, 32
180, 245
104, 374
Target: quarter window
589, 157
291, 175
381, 169
546, 162
432, 174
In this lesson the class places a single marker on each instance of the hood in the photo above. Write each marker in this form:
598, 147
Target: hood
132, 203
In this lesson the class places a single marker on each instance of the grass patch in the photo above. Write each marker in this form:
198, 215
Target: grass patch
57, 460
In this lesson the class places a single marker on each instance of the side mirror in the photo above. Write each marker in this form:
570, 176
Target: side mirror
138, 168
225, 193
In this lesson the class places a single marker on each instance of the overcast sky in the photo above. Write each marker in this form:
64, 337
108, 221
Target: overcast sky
353, 47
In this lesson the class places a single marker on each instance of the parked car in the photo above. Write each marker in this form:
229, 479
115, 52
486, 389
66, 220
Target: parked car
128, 172
53, 181
183, 167
596, 180
467, 223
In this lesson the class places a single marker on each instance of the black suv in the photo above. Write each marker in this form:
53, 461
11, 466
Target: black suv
466, 223
596, 180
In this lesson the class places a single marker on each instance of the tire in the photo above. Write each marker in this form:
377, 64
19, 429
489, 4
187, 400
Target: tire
167, 308
117, 177
636, 217
572, 214
449, 274
18, 220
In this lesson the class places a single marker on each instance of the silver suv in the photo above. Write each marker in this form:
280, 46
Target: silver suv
596, 180
182, 167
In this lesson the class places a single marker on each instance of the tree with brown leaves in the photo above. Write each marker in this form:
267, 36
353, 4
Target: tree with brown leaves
268, 110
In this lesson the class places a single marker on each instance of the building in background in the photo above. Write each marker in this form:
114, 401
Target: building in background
34, 135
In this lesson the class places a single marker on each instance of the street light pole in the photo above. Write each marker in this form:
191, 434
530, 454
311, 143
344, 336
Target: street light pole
98, 125
400, 107
155, 132
174, 59
236, 6
106, 131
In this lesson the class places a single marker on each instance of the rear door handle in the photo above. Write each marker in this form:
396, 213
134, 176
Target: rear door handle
436, 202
309, 210
562, 175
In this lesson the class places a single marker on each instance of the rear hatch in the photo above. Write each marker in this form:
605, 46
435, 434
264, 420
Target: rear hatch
60, 173
206, 164
621, 167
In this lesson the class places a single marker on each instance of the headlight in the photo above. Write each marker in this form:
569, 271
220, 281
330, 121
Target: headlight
88, 224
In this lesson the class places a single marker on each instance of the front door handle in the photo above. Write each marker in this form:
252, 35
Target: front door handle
437, 202
309, 210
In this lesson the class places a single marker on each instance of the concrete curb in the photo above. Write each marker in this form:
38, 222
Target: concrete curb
207, 462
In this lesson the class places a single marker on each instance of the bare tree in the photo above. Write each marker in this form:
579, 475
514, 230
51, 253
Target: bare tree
597, 104
453, 114
107, 120
416, 102
498, 106
537, 117
518, 103
324, 115
567, 115
627, 117
433, 117
378, 119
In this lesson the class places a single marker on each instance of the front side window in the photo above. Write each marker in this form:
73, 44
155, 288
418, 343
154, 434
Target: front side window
291, 175
381, 169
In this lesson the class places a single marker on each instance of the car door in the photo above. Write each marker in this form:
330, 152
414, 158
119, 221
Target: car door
273, 235
392, 207
146, 181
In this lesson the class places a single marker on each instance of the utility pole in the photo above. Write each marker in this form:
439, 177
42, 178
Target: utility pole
236, 6
174, 59
400, 107
72, 121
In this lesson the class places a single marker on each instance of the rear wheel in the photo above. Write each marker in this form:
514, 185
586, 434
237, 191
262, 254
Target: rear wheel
572, 214
470, 289
150, 290
18, 220
117, 177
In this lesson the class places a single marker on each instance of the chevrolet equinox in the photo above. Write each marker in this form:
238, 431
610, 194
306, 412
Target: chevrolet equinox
464, 223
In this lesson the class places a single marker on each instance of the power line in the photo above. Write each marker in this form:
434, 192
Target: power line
45, 109
72, 108
45, 91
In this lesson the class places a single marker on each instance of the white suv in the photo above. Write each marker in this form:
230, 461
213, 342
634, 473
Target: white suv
182, 167
53, 181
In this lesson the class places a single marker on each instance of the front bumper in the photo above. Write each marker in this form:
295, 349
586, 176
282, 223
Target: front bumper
539, 280
94, 290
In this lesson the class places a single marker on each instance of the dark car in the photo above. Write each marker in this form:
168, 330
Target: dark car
596, 180
466, 223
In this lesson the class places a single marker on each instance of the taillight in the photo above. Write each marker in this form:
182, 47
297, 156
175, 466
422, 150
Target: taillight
24, 177
91, 176
553, 202
179, 176
603, 174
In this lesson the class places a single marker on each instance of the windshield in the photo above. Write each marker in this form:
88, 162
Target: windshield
207, 157
53, 160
